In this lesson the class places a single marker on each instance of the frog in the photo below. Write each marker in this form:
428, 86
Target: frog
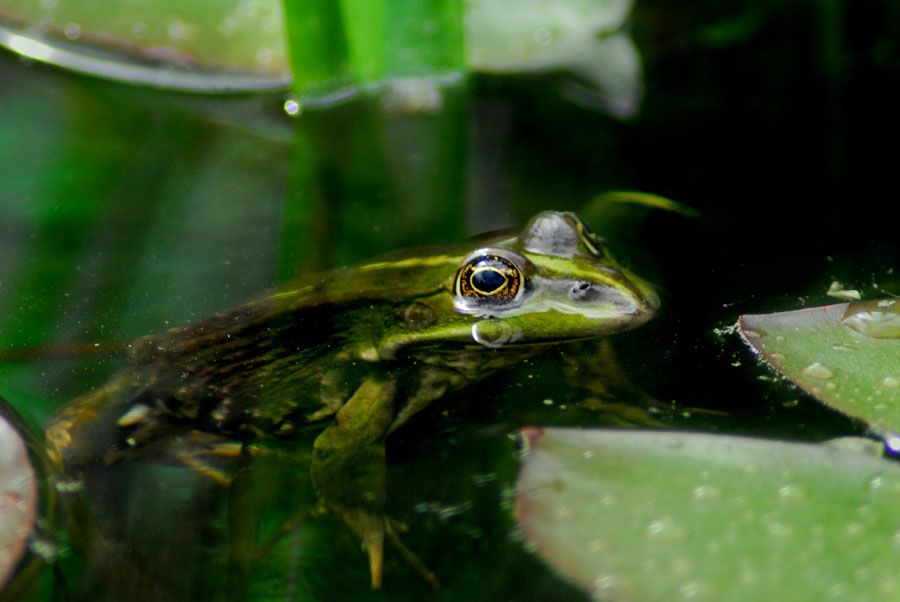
354, 352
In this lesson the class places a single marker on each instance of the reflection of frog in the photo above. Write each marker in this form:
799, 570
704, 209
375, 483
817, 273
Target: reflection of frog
360, 350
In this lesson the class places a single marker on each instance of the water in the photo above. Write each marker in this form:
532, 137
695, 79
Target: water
125, 212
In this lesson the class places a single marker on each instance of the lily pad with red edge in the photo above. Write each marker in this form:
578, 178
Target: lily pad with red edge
659, 516
18, 499
845, 355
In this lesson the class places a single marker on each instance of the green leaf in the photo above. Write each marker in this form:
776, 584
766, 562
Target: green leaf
651, 516
203, 45
845, 355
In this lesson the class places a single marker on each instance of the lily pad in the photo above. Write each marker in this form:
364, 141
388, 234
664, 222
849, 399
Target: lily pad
645, 516
846, 355
18, 498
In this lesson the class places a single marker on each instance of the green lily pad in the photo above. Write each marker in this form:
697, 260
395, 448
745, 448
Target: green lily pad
583, 37
18, 498
845, 355
646, 516
223, 45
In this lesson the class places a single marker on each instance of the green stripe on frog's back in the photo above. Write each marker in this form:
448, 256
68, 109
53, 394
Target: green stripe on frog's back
398, 279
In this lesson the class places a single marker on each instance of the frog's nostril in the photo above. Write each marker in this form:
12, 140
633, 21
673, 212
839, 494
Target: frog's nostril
584, 291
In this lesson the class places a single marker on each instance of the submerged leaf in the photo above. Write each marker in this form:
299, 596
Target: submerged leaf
846, 355
650, 516
18, 498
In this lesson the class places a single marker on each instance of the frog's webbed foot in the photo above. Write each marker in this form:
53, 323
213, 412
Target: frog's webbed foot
348, 473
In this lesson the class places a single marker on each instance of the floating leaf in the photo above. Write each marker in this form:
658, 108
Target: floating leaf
583, 37
18, 498
667, 516
201, 46
846, 355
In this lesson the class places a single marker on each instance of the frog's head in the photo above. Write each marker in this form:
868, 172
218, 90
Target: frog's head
555, 281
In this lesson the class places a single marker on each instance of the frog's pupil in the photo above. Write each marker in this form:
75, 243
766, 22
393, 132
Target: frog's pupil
488, 280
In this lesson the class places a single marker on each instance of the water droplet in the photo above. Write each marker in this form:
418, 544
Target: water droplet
791, 492
665, 530
689, 590
543, 36
706, 492
777, 357
780, 530
891, 382
491, 332
818, 370
139, 30
72, 31
177, 30
779, 338
264, 56
873, 320
854, 529
603, 583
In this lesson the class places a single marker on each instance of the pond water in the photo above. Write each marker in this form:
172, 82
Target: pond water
126, 211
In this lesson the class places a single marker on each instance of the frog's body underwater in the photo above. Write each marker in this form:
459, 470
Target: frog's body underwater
359, 350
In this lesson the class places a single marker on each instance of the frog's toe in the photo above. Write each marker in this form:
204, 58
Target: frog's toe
370, 528
391, 527
373, 539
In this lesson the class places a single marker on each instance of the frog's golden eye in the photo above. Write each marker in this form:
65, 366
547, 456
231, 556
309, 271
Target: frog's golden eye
489, 278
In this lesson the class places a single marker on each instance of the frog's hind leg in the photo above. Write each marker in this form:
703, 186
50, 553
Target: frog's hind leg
348, 466
348, 471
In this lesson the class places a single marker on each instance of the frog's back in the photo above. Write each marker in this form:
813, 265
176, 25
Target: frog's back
253, 365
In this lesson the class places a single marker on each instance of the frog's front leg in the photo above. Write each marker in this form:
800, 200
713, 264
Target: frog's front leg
348, 469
